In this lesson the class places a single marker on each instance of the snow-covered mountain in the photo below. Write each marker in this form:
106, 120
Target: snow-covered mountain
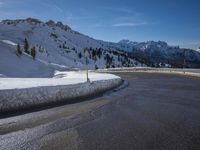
57, 47
198, 49
129, 45
156, 54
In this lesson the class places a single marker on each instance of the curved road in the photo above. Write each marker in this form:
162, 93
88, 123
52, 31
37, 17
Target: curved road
156, 111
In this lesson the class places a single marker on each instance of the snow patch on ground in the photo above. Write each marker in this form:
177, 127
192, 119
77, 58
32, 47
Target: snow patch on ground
9, 42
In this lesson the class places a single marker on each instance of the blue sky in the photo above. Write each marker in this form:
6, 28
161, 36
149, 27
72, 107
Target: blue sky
174, 21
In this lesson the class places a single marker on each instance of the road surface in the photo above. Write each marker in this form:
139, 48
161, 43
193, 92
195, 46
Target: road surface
156, 111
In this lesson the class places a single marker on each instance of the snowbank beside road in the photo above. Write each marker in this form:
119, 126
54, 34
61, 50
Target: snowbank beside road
187, 72
17, 93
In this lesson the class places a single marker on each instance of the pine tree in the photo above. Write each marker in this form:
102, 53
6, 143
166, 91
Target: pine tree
26, 46
96, 67
94, 54
99, 52
33, 52
80, 55
19, 52
109, 60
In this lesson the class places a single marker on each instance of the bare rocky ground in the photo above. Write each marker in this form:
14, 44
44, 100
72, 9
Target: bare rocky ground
156, 111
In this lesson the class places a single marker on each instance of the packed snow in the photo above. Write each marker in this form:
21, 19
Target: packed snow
60, 78
18, 93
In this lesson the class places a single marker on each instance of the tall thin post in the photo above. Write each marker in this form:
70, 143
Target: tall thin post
86, 61
184, 60
87, 69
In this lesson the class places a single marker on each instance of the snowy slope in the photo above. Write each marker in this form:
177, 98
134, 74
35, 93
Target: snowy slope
12, 65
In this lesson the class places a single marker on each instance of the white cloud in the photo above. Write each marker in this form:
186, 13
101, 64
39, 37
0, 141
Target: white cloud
129, 24
118, 9
72, 17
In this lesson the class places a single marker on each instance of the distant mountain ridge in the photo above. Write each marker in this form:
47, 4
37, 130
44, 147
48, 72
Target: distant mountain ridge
152, 53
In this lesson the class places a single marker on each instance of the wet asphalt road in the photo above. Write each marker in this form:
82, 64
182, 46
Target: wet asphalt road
156, 111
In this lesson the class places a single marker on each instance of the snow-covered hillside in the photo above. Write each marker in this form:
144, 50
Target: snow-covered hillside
12, 65
56, 45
